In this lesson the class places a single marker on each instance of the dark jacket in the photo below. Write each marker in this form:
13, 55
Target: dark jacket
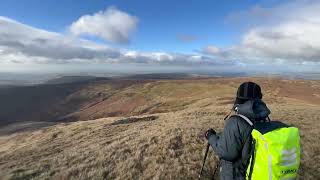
234, 144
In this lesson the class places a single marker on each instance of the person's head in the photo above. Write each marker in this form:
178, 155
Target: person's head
248, 91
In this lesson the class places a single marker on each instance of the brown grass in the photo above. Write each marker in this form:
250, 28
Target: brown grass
167, 145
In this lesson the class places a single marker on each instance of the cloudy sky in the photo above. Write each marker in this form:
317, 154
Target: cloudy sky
62, 35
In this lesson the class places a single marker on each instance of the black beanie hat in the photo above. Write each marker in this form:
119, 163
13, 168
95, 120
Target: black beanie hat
247, 91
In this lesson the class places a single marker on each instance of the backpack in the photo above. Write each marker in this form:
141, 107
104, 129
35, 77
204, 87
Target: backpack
275, 154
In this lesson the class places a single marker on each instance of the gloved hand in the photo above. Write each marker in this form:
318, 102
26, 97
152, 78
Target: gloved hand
209, 133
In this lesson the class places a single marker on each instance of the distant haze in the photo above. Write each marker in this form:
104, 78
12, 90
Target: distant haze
30, 78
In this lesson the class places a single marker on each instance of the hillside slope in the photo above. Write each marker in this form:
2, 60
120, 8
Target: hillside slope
156, 132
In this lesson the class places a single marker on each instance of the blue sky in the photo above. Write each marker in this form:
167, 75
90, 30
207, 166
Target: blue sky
218, 33
160, 22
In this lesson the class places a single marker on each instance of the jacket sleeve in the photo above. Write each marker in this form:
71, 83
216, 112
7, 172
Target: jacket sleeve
228, 144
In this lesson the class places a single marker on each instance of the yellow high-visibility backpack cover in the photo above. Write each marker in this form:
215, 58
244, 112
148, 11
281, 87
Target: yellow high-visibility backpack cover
276, 155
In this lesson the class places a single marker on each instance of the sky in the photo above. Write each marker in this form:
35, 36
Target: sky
155, 36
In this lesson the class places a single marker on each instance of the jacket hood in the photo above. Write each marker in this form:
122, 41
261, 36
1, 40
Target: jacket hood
254, 109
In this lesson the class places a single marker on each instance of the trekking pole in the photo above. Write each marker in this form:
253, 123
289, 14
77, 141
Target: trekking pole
215, 170
204, 160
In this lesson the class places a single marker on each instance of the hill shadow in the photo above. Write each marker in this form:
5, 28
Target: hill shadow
24, 127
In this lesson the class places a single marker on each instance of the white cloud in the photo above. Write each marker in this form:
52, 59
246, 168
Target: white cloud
112, 25
19, 39
20, 43
287, 33
210, 49
298, 41
167, 58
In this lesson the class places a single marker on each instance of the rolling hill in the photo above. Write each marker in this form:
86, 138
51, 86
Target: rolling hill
137, 128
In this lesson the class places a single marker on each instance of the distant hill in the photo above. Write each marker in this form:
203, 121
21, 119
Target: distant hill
73, 98
73, 79
159, 76
5, 82
59, 99
42, 102
22, 79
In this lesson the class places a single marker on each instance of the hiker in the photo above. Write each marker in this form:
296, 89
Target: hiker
235, 145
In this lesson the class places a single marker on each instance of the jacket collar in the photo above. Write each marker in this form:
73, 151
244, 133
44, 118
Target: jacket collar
253, 109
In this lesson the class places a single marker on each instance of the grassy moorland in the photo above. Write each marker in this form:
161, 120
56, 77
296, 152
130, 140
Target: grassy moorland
149, 129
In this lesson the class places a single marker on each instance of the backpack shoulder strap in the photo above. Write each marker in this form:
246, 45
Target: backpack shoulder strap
245, 118
250, 154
